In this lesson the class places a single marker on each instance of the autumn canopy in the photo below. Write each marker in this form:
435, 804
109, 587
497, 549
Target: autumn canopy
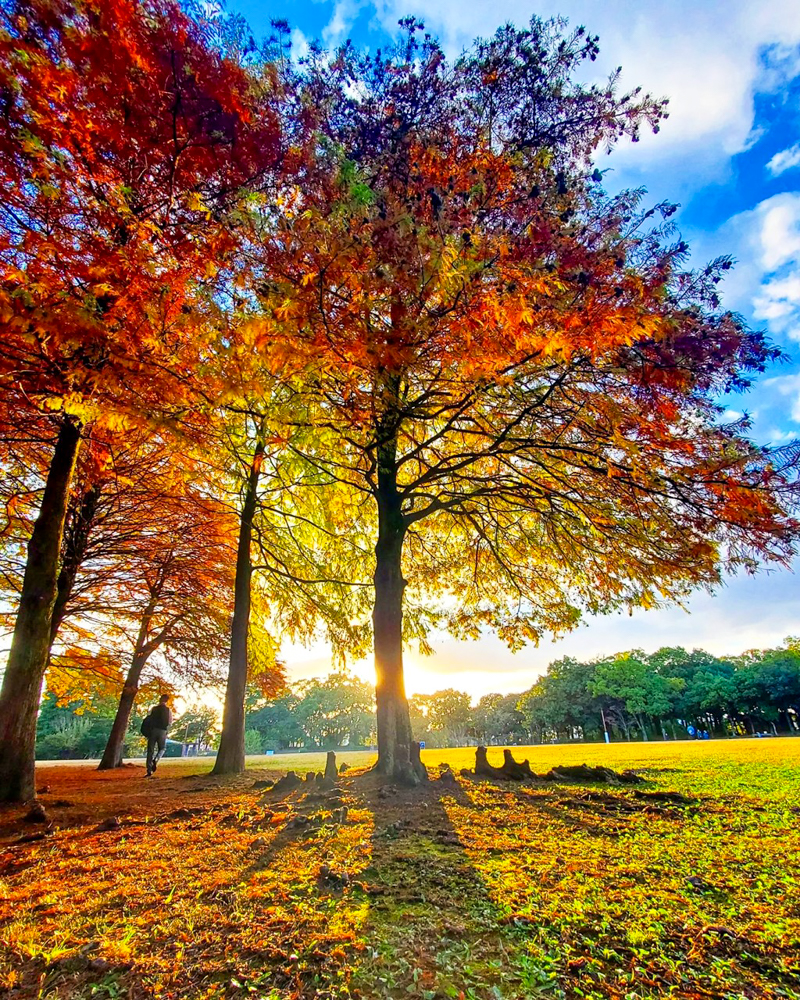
358, 347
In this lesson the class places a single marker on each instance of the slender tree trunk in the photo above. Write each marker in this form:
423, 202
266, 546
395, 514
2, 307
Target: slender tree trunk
30, 647
398, 755
112, 755
230, 756
75, 543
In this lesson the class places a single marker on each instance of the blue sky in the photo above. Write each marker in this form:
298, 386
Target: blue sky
730, 155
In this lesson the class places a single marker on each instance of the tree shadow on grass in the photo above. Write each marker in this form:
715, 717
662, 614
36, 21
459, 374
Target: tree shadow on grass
432, 928
382, 902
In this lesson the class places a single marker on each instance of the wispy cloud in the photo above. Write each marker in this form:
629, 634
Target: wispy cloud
788, 387
778, 231
344, 14
300, 44
785, 160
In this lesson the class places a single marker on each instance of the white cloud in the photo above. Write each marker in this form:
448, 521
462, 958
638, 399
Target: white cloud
300, 44
779, 303
765, 282
777, 231
787, 386
785, 160
344, 14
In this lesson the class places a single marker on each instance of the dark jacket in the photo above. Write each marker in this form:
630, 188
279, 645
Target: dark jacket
161, 717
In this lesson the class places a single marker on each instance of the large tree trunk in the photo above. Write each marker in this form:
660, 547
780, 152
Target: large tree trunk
398, 755
230, 756
112, 755
30, 647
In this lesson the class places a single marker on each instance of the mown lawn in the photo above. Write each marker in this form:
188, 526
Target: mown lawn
216, 888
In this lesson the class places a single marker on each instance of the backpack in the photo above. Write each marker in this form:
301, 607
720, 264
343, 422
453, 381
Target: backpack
147, 725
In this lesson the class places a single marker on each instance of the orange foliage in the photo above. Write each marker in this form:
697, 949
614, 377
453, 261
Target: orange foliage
124, 136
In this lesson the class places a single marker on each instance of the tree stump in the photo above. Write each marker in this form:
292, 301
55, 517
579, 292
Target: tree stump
330, 767
514, 770
483, 769
287, 783
511, 770
36, 814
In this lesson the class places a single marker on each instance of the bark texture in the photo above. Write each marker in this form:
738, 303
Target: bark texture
230, 756
75, 543
30, 647
397, 757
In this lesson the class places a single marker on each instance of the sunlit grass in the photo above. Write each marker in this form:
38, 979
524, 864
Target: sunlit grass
478, 890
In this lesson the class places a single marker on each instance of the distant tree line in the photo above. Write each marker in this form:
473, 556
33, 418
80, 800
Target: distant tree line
313, 715
631, 696
636, 695
79, 729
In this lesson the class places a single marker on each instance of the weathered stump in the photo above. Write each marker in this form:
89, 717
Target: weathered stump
287, 783
483, 768
330, 767
36, 814
511, 770
514, 770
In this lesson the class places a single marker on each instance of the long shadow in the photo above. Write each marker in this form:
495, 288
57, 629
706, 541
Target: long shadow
432, 927
431, 924
412, 912
309, 810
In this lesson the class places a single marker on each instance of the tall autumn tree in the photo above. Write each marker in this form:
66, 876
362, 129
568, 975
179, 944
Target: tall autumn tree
286, 569
513, 370
124, 136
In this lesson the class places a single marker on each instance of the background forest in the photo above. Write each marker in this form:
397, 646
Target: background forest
637, 696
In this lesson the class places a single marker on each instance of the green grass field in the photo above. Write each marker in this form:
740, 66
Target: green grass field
478, 890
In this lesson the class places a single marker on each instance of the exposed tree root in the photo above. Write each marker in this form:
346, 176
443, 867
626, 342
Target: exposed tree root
407, 774
582, 772
512, 770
